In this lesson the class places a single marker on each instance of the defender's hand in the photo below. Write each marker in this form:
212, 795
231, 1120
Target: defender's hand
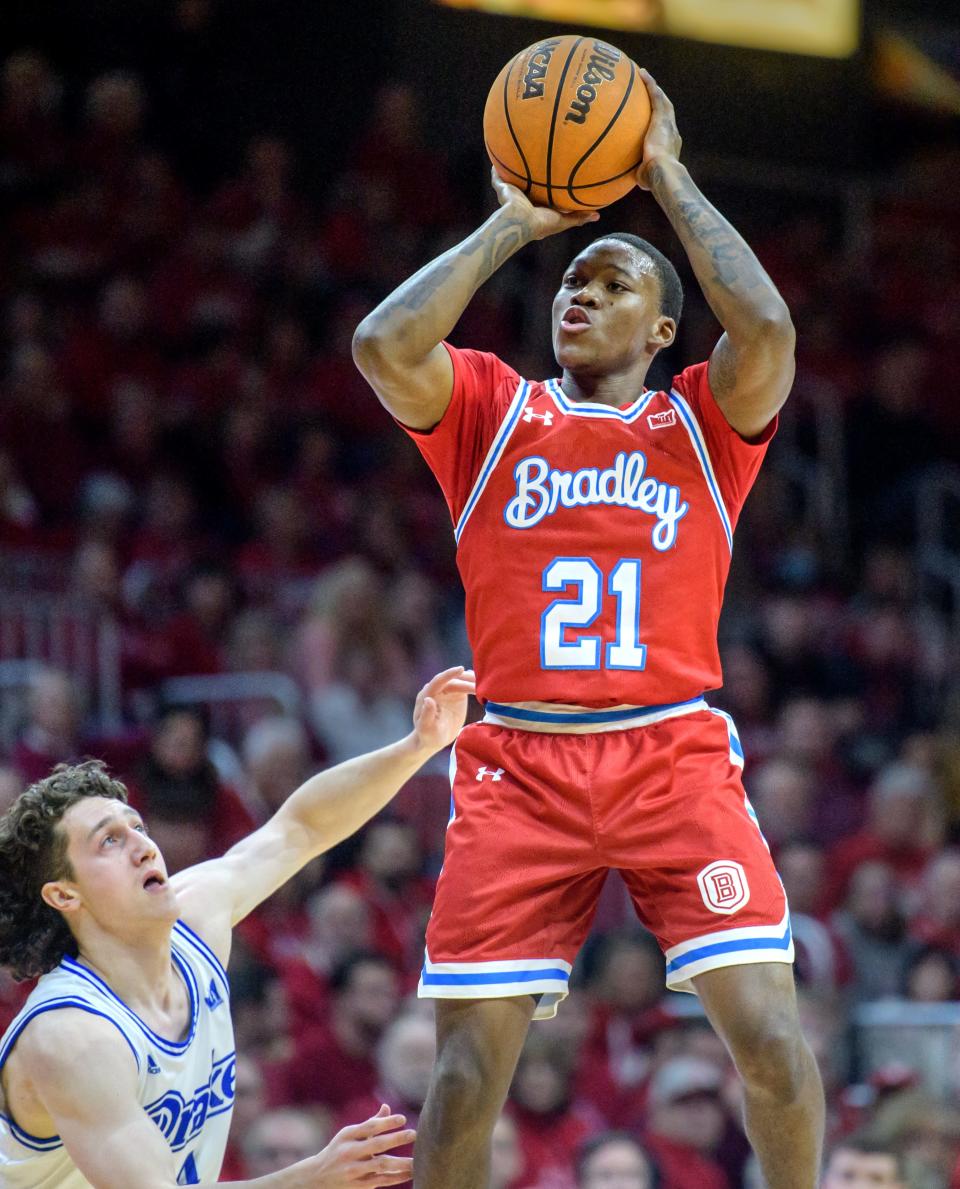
541, 221
442, 707
357, 1155
662, 139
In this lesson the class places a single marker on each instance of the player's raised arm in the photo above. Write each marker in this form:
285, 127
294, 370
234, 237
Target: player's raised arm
398, 345
752, 366
322, 812
83, 1082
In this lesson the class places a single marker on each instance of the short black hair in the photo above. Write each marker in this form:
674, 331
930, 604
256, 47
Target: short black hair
671, 287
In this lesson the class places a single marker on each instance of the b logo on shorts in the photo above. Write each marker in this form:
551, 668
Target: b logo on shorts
723, 886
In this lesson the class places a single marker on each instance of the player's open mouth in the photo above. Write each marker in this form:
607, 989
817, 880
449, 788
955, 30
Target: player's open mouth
575, 320
154, 882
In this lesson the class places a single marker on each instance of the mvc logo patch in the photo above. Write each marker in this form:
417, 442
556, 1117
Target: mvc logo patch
723, 886
662, 420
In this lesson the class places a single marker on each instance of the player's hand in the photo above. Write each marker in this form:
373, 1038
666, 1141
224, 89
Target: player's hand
662, 139
358, 1155
541, 220
441, 707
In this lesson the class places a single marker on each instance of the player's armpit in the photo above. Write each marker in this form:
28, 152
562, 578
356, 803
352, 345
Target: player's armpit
752, 378
83, 1072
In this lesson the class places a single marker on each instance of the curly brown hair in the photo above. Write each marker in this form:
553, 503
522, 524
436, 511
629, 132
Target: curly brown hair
33, 851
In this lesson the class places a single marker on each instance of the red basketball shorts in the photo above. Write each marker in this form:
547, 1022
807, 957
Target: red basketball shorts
538, 819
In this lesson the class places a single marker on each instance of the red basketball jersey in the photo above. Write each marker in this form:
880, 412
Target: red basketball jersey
593, 542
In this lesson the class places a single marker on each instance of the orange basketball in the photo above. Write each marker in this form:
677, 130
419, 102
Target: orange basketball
565, 122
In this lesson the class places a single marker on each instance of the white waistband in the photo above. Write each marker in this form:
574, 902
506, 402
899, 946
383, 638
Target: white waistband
554, 718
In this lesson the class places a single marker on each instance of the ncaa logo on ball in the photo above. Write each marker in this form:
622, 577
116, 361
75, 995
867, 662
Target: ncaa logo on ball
723, 886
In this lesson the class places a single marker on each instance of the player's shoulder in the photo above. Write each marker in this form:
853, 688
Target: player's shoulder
482, 370
51, 1042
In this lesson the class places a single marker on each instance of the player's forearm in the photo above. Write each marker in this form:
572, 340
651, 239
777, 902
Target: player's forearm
744, 300
423, 311
334, 804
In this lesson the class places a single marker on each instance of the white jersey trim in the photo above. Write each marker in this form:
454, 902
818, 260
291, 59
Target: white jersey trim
553, 718
699, 443
494, 454
588, 408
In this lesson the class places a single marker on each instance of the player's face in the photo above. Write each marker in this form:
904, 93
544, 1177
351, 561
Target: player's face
118, 873
606, 314
861, 1170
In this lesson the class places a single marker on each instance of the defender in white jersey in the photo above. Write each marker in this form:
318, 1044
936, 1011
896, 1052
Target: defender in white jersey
119, 1071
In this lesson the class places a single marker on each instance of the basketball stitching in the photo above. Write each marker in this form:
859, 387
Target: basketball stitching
613, 120
583, 186
553, 120
506, 112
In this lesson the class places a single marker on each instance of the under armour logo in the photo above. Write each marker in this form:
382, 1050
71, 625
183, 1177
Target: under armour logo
494, 773
547, 417
662, 420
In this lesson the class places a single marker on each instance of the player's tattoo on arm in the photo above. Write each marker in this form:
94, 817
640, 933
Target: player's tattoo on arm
439, 293
733, 280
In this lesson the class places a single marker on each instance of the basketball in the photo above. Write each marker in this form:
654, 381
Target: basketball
565, 121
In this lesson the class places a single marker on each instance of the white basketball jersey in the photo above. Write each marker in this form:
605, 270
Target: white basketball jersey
186, 1087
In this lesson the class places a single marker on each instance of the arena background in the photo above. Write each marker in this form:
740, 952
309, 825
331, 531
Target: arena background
221, 566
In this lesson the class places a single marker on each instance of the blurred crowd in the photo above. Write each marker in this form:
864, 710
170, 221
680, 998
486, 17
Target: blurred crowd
188, 454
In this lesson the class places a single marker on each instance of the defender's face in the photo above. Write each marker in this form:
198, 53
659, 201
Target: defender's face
606, 314
118, 873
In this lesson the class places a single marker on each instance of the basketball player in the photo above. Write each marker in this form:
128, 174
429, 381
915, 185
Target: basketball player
594, 523
119, 1071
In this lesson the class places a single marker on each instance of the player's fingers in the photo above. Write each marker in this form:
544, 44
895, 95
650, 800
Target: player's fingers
436, 684
378, 1144
375, 1125
389, 1170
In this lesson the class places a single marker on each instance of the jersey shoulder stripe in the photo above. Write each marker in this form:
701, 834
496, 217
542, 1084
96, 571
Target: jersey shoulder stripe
195, 942
494, 454
699, 444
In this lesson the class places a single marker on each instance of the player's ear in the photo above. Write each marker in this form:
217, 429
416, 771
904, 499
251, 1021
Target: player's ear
663, 332
60, 895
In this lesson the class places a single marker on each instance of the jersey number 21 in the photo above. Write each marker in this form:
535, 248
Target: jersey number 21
579, 610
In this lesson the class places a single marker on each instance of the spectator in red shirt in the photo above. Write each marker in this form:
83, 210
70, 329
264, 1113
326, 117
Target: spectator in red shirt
626, 989
338, 924
614, 1160
903, 811
938, 921
192, 815
335, 1063
405, 1059
196, 638
52, 734
551, 1120
388, 877
686, 1123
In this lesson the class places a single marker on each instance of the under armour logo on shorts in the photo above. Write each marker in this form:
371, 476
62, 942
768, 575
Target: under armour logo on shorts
494, 773
723, 886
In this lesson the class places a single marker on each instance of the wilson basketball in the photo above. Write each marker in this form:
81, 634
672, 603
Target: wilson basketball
565, 122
